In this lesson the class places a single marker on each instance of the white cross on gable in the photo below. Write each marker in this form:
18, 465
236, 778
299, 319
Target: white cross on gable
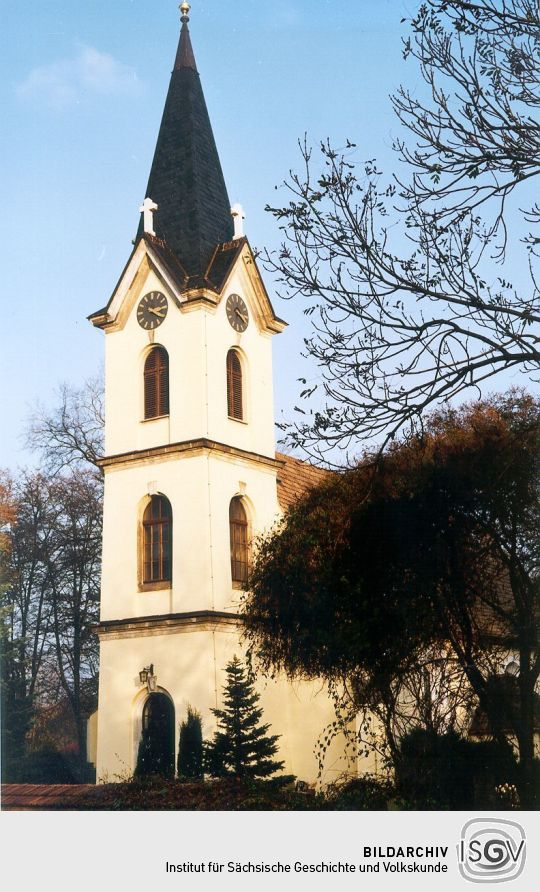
148, 208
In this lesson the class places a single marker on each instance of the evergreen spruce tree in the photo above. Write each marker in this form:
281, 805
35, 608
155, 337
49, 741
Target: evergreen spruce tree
190, 747
241, 745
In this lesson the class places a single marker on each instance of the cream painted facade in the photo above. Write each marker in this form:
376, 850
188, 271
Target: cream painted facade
191, 249
197, 336
200, 459
189, 660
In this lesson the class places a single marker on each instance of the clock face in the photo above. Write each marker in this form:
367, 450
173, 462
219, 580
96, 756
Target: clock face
237, 312
152, 310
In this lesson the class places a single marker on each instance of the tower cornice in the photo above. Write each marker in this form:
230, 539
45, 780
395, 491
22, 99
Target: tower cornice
168, 624
187, 449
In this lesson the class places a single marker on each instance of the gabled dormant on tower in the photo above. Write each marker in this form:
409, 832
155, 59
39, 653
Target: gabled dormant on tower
190, 463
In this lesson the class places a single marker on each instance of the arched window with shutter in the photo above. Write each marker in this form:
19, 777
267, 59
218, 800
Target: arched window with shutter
235, 406
238, 527
156, 383
157, 541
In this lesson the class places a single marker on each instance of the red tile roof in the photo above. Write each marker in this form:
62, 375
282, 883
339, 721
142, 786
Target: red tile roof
295, 478
42, 797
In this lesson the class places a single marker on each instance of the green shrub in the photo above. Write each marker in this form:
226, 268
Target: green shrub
45, 766
446, 771
190, 747
366, 793
226, 794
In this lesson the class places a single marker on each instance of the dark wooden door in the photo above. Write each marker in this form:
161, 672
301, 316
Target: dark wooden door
156, 749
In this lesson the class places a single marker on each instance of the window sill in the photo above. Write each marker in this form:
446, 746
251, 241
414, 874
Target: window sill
239, 587
154, 418
238, 420
155, 586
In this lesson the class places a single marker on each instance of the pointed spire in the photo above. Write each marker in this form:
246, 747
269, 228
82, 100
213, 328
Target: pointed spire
185, 57
186, 180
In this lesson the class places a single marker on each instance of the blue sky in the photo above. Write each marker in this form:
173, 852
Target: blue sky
83, 86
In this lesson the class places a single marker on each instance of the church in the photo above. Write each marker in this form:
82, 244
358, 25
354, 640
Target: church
192, 476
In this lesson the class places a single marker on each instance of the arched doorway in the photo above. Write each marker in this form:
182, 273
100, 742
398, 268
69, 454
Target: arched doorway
156, 747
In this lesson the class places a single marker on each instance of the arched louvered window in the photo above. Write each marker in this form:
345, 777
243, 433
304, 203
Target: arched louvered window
156, 383
238, 526
157, 540
235, 406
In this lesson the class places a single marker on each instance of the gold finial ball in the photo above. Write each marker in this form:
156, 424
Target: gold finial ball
184, 9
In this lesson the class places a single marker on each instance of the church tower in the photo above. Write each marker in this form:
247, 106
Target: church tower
190, 465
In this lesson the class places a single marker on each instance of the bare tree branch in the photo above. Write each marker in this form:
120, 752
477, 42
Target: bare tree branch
406, 283
71, 434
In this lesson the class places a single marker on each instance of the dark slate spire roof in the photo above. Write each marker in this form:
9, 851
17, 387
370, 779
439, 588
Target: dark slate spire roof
186, 180
184, 55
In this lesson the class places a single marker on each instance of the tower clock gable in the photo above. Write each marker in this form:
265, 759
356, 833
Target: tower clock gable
197, 324
143, 270
230, 262
244, 275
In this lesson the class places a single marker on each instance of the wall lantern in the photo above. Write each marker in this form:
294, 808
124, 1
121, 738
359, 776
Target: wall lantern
148, 678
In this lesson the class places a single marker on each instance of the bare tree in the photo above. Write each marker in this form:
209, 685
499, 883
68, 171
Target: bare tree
374, 714
72, 558
50, 529
50, 600
28, 613
407, 283
71, 434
